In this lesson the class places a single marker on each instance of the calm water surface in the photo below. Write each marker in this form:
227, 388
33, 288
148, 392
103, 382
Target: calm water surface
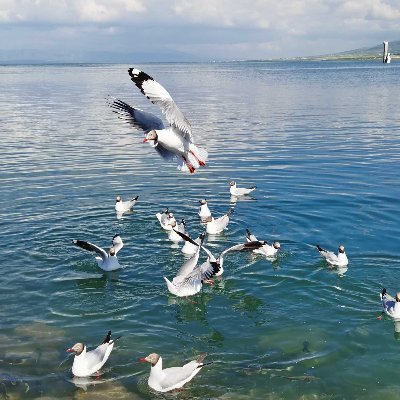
320, 140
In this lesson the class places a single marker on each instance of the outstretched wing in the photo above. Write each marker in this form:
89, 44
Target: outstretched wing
137, 118
141, 120
117, 243
91, 247
249, 246
190, 264
157, 94
205, 271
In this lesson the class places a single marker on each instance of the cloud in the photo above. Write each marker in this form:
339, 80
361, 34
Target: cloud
201, 29
68, 11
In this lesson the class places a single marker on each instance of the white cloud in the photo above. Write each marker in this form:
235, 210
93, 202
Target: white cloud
68, 11
210, 28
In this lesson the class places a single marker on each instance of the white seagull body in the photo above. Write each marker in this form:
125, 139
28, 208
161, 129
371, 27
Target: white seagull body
204, 212
218, 262
166, 219
339, 260
164, 380
87, 363
266, 249
189, 279
124, 206
173, 142
235, 191
390, 305
189, 249
105, 261
172, 235
217, 225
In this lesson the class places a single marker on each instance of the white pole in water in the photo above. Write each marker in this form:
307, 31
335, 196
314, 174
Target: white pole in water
385, 51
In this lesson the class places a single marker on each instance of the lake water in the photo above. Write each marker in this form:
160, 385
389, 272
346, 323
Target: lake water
321, 140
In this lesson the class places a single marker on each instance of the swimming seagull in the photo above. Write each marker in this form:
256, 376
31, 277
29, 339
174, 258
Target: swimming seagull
235, 191
87, 363
189, 279
266, 249
218, 262
106, 261
175, 141
166, 219
217, 225
189, 248
390, 305
204, 211
124, 206
339, 260
164, 380
180, 227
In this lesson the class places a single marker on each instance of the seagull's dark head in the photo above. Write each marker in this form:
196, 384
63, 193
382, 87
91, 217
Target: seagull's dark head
276, 245
232, 183
151, 358
341, 249
118, 199
151, 135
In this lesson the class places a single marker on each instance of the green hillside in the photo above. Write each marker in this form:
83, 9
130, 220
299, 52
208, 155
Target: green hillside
367, 53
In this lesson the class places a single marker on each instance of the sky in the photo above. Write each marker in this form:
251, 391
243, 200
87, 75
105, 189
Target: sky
190, 30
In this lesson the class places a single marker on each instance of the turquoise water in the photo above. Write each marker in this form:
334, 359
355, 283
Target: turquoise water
320, 140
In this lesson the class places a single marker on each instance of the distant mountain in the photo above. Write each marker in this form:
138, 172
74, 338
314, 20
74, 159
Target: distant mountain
365, 53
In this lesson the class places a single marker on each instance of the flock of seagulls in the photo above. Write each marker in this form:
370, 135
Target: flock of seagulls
175, 142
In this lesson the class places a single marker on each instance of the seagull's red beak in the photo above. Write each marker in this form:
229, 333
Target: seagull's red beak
142, 360
69, 351
145, 140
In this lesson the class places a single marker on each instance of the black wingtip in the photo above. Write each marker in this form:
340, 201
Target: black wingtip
135, 198
108, 337
319, 247
383, 292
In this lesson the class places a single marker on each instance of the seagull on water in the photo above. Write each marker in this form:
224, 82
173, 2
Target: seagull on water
188, 248
204, 211
266, 249
175, 226
164, 380
217, 225
390, 305
124, 206
166, 219
189, 279
105, 261
174, 142
339, 260
87, 363
217, 262
235, 191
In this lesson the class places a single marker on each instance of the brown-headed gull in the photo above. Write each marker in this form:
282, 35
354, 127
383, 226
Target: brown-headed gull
105, 261
164, 380
166, 219
217, 225
390, 305
175, 226
235, 191
204, 211
87, 363
339, 260
218, 262
175, 141
124, 206
189, 279
266, 249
